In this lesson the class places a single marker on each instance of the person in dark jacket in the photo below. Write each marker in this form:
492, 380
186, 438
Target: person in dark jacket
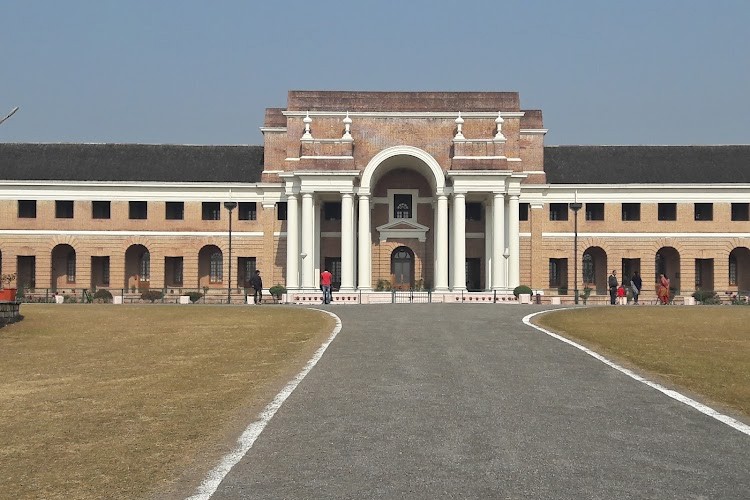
257, 283
612, 284
636, 284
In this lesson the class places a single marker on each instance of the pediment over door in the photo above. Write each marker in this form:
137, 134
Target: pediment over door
400, 229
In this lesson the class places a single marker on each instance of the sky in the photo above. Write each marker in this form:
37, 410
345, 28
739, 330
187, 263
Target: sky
203, 72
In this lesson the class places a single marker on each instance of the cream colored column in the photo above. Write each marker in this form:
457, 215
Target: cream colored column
316, 245
498, 241
364, 244
514, 261
308, 248
292, 243
441, 244
459, 242
347, 242
488, 245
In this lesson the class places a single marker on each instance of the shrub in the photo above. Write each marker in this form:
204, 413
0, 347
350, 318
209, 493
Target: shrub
194, 296
152, 295
521, 289
103, 295
586, 294
277, 291
706, 297
383, 285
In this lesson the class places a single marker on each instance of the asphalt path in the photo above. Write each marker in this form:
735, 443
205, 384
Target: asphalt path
465, 401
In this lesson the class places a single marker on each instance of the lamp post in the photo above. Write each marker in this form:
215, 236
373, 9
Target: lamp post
230, 205
575, 207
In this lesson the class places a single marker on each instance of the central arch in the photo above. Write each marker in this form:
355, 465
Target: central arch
403, 156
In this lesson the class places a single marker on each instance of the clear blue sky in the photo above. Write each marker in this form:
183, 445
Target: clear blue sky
202, 72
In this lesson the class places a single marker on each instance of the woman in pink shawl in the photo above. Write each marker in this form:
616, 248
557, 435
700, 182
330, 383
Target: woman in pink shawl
663, 292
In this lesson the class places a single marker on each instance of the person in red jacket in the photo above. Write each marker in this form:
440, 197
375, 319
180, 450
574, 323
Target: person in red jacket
325, 285
621, 296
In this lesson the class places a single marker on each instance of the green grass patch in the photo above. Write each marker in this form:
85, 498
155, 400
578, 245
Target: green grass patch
704, 349
130, 401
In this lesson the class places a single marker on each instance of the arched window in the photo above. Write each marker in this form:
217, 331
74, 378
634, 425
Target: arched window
402, 204
71, 266
145, 265
732, 269
216, 272
588, 268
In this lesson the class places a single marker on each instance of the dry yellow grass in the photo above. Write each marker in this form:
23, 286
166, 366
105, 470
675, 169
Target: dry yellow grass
101, 401
704, 349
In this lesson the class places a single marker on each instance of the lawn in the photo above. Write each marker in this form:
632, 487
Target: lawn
702, 349
138, 401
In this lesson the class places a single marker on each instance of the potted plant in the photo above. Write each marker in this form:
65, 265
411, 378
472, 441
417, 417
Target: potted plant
277, 291
7, 293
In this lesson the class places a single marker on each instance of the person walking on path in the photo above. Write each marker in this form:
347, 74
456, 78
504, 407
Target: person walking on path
612, 283
636, 284
325, 285
257, 283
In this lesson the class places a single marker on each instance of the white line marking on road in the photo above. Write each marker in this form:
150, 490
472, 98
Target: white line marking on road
245, 442
736, 424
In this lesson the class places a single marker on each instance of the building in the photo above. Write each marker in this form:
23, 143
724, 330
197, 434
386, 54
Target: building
454, 192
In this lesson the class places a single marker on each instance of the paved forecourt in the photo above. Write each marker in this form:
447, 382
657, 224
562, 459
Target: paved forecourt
465, 401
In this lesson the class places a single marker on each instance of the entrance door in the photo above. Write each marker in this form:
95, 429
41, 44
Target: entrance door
402, 268
472, 274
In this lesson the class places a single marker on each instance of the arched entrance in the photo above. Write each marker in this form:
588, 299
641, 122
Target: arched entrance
667, 262
402, 268
137, 267
739, 269
210, 266
594, 269
63, 266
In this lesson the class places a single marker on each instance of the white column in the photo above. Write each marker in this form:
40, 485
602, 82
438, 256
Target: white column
347, 242
459, 241
292, 243
364, 242
498, 241
441, 244
316, 245
308, 248
488, 245
514, 261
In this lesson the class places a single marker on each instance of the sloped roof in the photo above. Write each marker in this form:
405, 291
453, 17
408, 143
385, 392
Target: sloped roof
647, 164
130, 162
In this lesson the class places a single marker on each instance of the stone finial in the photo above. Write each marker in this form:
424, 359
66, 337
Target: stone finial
347, 126
499, 121
307, 121
459, 126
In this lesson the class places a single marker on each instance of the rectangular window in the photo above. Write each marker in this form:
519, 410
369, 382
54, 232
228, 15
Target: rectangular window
523, 211
667, 211
402, 206
137, 210
474, 211
247, 210
27, 209
71, 267
63, 209
175, 210
281, 210
740, 211
558, 211
594, 211
732, 269
558, 273
631, 211
100, 210
177, 270
332, 210
211, 210
105, 270
704, 211
245, 270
